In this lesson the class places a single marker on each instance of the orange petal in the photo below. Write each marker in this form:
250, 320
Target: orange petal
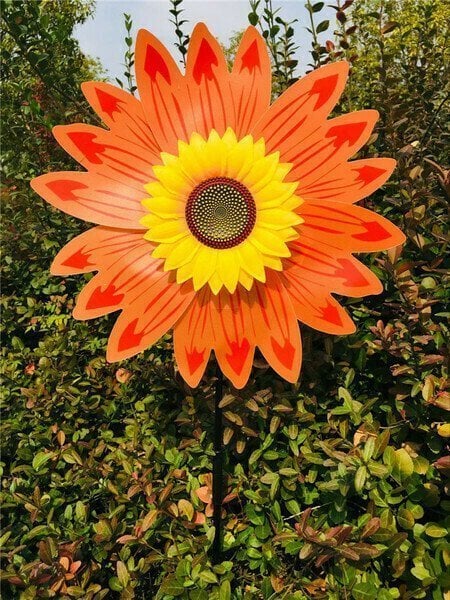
208, 82
119, 284
93, 197
100, 151
121, 112
314, 306
95, 249
149, 316
349, 182
276, 327
162, 91
332, 144
233, 334
338, 272
302, 108
347, 227
251, 81
192, 339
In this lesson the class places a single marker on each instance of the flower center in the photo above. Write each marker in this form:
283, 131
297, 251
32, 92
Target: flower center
220, 212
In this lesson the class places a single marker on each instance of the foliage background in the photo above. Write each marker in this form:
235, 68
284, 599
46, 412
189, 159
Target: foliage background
337, 486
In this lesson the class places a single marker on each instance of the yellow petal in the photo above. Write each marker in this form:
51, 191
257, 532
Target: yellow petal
164, 207
228, 268
229, 137
155, 188
240, 158
275, 193
204, 266
261, 172
184, 272
168, 159
163, 250
268, 242
150, 220
245, 279
173, 179
273, 262
275, 218
292, 203
182, 253
251, 260
215, 283
216, 154
282, 170
168, 231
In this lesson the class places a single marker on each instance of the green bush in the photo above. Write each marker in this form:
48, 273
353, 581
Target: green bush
336, 486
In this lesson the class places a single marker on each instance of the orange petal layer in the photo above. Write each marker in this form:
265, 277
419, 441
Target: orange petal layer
192, 338
341, 272
100, 151
331, 145
314, 306
301, 108
349, 182
208, 82
123, 281
92, 197
121, 112
347, 227
251, 81
95, 249
163, 92
276, 328
149, 316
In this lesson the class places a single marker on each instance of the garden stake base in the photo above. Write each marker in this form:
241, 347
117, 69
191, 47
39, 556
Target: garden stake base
217, 483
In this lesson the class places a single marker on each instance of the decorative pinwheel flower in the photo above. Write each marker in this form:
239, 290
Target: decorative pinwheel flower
219, 215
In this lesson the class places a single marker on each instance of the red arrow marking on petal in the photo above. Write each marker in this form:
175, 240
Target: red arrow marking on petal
368, 174
64, 188
238, 354
348, 132
331, 314
107, 297
374, 232
324, 88
155, 63
84, 141
195, 359
250, 58
78, 260
351, 275
285, 353
204, 62
108, 103
130, 338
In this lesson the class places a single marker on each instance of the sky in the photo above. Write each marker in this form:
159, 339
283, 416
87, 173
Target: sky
103, 35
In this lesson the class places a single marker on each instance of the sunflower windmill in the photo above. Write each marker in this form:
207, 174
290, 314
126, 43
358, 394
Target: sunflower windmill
219, 215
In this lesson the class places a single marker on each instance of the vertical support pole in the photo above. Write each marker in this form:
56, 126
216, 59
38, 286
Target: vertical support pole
217, 484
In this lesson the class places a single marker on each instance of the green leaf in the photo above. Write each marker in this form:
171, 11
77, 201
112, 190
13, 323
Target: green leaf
317, 7
122, 574
360, 478
420, 572
405, 518
225, 590
403, 466
172, 587
322, 26
208, 577
40, 459
364, 591
435, 531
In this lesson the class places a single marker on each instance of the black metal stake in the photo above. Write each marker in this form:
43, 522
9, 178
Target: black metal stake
217, 483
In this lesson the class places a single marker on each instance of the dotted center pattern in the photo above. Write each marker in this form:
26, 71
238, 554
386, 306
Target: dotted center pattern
220, 212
